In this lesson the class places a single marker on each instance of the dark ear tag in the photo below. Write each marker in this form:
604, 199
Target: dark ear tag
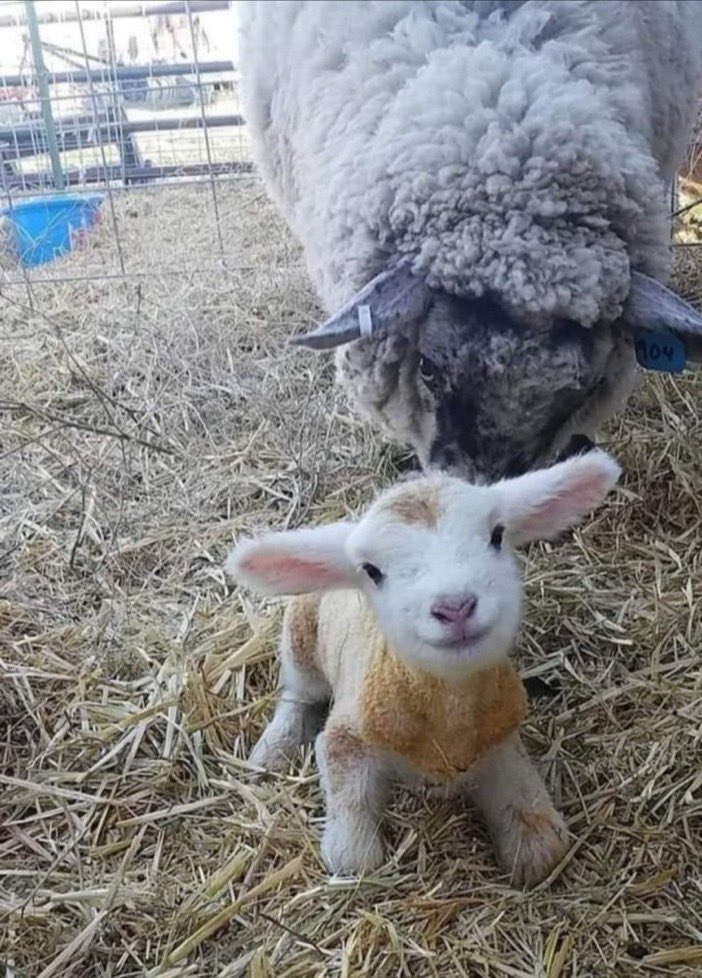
660, 350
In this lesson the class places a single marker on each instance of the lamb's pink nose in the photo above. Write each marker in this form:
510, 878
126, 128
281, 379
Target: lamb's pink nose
454, 612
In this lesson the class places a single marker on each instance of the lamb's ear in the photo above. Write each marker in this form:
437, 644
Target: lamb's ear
295, 562
541, 505
651, 306
393, 297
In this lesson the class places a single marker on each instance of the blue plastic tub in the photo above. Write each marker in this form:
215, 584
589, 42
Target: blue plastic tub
45, 228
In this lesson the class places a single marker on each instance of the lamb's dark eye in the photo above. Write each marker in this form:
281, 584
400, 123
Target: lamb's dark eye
373, 572
427, 371
496, 536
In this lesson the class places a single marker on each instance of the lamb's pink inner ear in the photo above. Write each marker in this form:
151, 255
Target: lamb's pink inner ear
546, 503
551, 516
287, 572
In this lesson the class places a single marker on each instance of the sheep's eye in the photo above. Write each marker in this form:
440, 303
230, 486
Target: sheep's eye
427, 371
496, 536
373, 572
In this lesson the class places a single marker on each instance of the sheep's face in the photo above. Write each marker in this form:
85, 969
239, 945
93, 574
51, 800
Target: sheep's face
434, 556
478, 394
435, 561
499, 398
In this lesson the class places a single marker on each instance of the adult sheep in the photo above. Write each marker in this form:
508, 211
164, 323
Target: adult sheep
480, 191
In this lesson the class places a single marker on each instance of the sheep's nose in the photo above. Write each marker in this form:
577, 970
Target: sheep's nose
454, 611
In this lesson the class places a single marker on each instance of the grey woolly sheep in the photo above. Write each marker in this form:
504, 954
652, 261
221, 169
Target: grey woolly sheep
480, 191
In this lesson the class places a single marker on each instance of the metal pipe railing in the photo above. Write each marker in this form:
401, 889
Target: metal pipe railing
105, 75
115, 13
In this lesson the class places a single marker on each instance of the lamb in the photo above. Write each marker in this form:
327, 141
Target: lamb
480, 191
403, 622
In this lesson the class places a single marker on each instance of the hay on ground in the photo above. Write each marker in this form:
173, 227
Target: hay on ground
145, 426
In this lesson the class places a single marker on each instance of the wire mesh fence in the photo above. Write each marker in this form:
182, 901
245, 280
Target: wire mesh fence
139, 102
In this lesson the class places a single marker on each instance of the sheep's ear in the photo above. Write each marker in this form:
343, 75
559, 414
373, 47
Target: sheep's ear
652, 307
541, 505
295, 562
395, 296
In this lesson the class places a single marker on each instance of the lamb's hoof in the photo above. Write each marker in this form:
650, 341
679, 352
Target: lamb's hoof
533, 844
271, 756
351, 848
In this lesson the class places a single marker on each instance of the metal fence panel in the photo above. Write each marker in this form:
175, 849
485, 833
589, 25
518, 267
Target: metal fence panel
117, 98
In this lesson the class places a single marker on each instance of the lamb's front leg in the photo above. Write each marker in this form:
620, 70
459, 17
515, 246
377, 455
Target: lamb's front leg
529, 834
356, 784
299, 715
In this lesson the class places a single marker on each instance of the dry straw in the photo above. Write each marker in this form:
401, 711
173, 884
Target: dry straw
144, 427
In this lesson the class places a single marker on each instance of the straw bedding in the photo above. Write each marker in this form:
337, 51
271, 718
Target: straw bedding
144, 427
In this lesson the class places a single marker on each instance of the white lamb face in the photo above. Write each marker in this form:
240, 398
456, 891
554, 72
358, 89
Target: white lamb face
435, 557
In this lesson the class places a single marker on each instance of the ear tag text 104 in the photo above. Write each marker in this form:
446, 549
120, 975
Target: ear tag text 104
660, 350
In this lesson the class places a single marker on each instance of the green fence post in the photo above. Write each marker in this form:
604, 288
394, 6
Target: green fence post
44, 94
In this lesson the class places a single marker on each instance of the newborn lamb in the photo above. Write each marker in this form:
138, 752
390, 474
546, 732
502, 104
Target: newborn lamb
404, 625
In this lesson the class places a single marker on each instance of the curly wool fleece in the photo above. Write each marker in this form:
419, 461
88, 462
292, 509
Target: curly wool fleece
521, 150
